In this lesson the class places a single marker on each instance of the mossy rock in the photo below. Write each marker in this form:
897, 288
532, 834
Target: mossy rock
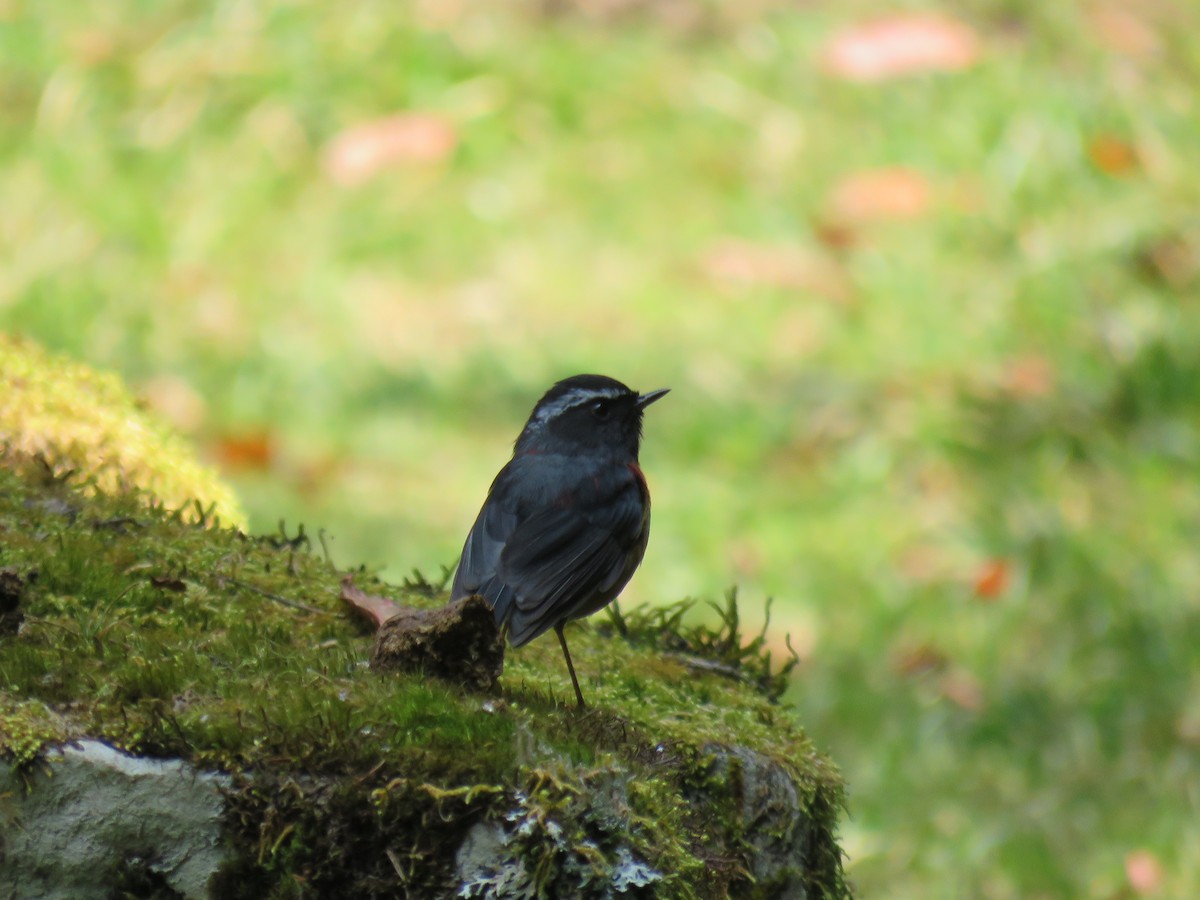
167, 639
81, 419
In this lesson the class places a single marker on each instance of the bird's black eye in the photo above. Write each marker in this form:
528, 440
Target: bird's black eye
601, 409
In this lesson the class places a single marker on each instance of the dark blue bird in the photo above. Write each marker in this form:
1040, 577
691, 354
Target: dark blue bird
566, 521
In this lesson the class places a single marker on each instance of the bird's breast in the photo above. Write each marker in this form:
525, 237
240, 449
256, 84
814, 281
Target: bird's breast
640, 477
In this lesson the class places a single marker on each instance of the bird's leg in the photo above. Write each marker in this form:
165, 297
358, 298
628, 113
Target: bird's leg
558, 629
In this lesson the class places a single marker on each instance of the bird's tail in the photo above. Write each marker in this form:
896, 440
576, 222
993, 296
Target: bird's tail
500, 597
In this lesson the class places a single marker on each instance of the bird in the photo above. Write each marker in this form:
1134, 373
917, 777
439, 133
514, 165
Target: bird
566, 521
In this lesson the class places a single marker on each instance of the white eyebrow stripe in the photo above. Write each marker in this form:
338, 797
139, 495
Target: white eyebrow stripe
575, 397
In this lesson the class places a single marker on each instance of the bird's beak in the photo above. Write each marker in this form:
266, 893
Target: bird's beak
645, 400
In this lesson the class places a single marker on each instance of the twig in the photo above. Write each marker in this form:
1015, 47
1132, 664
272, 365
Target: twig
716, 667
394, 859
294, 604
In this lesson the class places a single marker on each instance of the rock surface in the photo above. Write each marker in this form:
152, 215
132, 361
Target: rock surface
770, 806
88, 817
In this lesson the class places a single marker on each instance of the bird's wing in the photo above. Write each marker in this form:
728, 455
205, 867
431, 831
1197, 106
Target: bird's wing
560, 561
481, 552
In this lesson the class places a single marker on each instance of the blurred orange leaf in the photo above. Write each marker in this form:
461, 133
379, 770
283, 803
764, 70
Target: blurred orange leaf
736, 261
1028, 377
1144, 871
899, 45
992, 579
836, 236
743, 261
1112, 155
881, 194
1122, 29
359, 153
249, 451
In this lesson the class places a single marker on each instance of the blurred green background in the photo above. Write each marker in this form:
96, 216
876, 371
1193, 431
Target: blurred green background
925, 291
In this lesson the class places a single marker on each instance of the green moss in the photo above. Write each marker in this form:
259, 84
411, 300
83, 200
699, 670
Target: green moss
26, 728
78, 418
171, 639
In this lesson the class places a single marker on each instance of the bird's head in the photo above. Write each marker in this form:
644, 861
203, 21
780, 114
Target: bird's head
587, 412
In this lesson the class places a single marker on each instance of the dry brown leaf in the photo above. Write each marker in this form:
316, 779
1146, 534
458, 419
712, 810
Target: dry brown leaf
899, 45
362, 151
245, 451
1124, 30
892, 193
1112, 155
169, 583
1028, 377
837, 236
371, 607
741, 262
1144, 871
992, 579
745, 262
12, 595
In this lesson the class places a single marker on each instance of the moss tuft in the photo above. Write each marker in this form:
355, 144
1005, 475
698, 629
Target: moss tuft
79, 419
723, 650
26, 728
